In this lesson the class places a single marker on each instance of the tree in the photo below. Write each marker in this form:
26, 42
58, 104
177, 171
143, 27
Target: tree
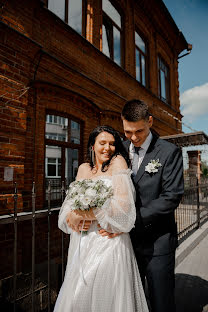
204, 168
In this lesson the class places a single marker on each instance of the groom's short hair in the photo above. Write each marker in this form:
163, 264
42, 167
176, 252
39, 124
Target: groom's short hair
135, 110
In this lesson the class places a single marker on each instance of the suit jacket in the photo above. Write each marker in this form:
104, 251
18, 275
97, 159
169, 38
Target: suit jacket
157, 196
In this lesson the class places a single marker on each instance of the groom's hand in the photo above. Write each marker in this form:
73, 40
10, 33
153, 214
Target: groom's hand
103, 232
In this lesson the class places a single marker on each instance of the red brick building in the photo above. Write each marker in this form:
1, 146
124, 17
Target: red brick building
68, 66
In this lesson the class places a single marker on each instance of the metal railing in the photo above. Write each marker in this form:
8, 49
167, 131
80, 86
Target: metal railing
192, 211
193, 208
15, 296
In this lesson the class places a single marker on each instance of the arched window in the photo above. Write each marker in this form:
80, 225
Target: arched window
62, 152
112, 32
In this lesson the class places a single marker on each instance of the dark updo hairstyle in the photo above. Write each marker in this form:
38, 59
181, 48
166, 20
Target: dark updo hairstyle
119, 148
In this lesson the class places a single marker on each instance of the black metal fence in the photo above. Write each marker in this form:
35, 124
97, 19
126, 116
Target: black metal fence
39, 295
36, 293
193, 209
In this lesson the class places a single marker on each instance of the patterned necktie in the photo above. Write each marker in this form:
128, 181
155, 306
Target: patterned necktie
135, 160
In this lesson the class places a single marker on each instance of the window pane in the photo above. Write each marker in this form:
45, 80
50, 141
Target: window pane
109, 9
62, 137
51, 160
57, 7
51, 170
106, 44
143, 70
53, 174
162, 81
71, 165
56, 128
75, 132
75, 125
164, 88
59, 169
138, 66
162, 66
75, 15
139, 42
117, 45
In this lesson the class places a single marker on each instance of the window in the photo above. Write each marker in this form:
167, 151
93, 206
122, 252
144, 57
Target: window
56, 128
112, 32
141, 59
53, 167
70, 11
164, 81
62, 153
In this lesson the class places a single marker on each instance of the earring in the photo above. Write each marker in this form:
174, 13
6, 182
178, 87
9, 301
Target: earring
92, 156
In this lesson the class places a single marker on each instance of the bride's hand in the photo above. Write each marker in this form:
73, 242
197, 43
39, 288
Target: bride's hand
73, 220
87, 224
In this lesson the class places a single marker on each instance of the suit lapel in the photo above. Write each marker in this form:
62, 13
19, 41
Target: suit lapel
126, 145
150, 154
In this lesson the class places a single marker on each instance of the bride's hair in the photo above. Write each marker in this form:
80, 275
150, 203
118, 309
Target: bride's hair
119, 148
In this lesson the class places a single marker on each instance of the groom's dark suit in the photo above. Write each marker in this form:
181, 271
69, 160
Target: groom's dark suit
155, 234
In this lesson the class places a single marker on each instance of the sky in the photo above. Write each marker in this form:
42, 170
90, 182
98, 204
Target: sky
191, 17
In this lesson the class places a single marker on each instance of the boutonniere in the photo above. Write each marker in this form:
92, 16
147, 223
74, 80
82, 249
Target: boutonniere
152, 166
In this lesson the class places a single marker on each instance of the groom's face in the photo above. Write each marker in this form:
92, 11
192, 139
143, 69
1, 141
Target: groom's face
137, 131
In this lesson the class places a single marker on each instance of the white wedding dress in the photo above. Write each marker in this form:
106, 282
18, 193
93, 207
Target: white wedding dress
102, 273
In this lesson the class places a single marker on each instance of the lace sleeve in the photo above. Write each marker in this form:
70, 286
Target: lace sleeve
62, 224
118, 213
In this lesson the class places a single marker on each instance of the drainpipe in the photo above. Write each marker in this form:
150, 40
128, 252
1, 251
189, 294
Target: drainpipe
189, 48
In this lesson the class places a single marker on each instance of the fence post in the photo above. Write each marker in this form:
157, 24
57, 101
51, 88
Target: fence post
15, 246
62, 234
198, 203
49, 242
33, 244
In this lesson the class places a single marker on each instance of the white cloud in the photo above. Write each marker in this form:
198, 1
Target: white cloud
194, 102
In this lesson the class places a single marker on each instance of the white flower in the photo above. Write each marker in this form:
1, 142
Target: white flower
85, 194
90, 192
152, 166
85, 201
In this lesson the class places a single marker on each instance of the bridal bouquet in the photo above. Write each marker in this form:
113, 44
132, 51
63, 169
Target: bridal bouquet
86, 194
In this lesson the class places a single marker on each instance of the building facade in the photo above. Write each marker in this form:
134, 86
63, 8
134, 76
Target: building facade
67, 66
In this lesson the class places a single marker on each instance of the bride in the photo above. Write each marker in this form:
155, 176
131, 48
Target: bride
102, 273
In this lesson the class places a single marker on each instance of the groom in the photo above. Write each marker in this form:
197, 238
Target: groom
158, 178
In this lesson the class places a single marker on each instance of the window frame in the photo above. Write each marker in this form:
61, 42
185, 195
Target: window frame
146, 56
160, 60
121, 30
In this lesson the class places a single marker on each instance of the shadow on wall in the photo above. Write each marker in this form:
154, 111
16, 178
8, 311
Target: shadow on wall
191, 293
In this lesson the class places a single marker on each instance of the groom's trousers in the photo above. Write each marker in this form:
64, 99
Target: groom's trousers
160, 276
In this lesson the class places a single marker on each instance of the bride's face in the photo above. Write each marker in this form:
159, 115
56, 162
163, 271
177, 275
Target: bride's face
104, 147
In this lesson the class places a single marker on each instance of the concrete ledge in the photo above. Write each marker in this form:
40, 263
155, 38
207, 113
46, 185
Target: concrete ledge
190, 243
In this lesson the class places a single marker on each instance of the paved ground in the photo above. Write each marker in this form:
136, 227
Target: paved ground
192, 280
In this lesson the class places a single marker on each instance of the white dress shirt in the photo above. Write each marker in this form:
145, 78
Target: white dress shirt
143, 149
